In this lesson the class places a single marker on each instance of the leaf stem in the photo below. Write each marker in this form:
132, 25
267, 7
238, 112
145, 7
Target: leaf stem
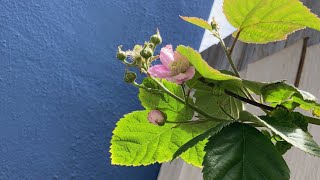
234, 42
187, 122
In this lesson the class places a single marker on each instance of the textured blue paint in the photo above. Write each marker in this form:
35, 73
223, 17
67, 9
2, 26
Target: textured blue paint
61, 89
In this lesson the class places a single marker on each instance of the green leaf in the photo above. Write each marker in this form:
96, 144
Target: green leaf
198, 22
240, 151
152, 99
278, 92
212, 100
316, 112
193, 142
288, 96
136, 142
283, 146
205, 70
263, 21
282, 123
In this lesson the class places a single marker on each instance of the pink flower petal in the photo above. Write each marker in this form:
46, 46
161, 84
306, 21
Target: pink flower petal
179, 79
166, 55
190, 73
159, 71
183, 77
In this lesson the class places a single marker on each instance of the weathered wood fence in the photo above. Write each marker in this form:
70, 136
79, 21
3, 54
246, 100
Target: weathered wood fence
297, 60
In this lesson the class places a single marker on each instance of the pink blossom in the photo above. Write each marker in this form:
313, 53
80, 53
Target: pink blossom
156, 117
175, 67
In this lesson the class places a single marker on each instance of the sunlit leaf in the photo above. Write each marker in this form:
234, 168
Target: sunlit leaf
205, 70
263, 21
198, 22
137, 142
193, 142
152, 99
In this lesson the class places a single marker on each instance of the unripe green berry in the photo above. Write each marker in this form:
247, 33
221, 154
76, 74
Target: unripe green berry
130, 77
214, 25
121, 55
146, 52
156, 39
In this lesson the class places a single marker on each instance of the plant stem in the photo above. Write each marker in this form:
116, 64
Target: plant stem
313, 120
184, 93
234, 42
225, 112
187, 104
262, 106
228, 56
187, 122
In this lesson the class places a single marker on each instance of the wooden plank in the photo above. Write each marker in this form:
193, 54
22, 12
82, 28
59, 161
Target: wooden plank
171, 171
302, 165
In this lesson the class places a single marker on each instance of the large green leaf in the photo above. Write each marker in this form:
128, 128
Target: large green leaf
151, 99
198, 22
287, 95
193, 142
216, 103
136, 142
283, 124
205, 70
241, 152
262, 21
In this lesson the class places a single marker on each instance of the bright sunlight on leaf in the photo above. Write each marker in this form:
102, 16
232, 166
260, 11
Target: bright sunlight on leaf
263, 21
198, 22
136, 142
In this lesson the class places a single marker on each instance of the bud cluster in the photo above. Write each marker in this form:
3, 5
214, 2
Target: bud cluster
140, 57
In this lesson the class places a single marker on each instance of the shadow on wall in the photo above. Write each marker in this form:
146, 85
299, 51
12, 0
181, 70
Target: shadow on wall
61, 88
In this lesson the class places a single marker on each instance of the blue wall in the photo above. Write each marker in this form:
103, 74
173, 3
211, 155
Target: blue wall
61, 89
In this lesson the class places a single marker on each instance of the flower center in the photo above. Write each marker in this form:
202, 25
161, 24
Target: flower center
179, 66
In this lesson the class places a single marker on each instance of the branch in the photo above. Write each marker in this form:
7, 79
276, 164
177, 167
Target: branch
262, 106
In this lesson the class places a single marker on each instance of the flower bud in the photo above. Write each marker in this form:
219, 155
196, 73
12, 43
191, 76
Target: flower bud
121, 55
214, 24
156, 39
130, 76
157, 117
146, 52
